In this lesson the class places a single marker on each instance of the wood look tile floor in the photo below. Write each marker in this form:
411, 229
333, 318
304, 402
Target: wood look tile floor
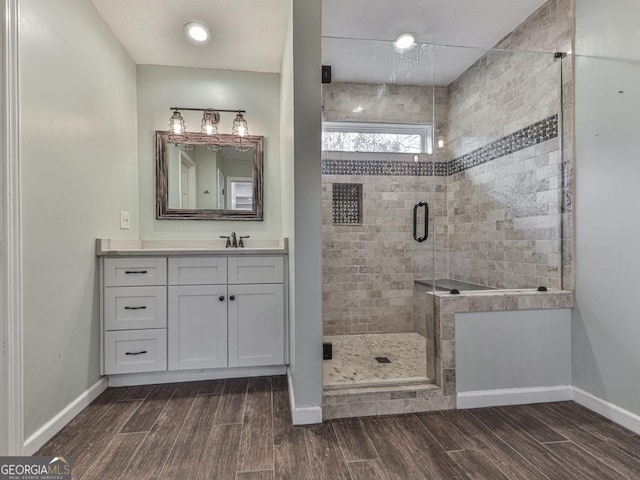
241, 429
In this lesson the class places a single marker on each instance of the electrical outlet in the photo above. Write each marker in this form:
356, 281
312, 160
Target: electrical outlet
124, 220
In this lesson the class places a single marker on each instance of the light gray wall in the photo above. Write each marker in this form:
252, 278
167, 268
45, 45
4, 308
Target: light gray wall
237, 168
258, 93
606, 358
513, 349
207, 179
287, 149
79, 169
307, 189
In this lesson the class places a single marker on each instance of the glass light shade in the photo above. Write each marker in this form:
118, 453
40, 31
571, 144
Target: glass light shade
209, 130
240, 129
240, 133
177, 128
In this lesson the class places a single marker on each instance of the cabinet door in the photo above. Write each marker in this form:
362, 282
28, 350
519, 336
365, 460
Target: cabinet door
256, 325
197, 327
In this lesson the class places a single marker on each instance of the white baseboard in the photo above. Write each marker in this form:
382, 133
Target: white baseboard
607, 409
130, 379
513, 396
302, 415
53, 426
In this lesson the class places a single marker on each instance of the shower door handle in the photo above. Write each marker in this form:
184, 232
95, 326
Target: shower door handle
416, 207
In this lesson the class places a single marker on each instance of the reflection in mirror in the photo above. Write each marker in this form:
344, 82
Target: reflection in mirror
201, 179
201, 184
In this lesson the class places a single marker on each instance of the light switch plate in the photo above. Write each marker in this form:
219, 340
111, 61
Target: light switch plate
124, 220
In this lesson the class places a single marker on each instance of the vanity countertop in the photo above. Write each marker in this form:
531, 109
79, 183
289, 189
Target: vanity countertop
117, 247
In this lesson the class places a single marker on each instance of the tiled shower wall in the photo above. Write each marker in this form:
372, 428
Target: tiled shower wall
369, 269
506, 218
504, 223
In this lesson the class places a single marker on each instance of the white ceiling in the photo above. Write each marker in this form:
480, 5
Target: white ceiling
471, 23
249, 34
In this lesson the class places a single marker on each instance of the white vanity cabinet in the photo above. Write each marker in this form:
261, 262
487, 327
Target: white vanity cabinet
193, 313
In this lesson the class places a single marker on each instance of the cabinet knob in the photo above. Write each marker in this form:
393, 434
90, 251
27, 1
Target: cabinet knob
221, 298
232, 297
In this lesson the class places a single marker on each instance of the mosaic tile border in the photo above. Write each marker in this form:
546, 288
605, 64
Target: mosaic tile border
534, 134
383, 168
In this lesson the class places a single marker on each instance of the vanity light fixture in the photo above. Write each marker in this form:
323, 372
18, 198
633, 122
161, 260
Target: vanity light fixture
406, 40
197, 33
208, 129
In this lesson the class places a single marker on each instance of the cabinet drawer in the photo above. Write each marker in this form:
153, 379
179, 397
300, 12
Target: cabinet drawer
135, 308
197, 270
134, 351
121, 272
246, 270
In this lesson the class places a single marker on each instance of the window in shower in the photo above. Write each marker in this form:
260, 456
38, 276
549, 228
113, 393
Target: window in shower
376, 137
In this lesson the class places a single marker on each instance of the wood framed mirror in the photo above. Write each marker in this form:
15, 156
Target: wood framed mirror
194, 182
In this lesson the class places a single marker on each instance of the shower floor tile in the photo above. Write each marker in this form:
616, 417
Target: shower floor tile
354, 359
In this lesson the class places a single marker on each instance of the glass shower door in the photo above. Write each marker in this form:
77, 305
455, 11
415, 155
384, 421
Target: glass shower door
378, 162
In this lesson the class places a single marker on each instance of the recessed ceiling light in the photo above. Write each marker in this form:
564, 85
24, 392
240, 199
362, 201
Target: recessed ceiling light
197, 33
406, 40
